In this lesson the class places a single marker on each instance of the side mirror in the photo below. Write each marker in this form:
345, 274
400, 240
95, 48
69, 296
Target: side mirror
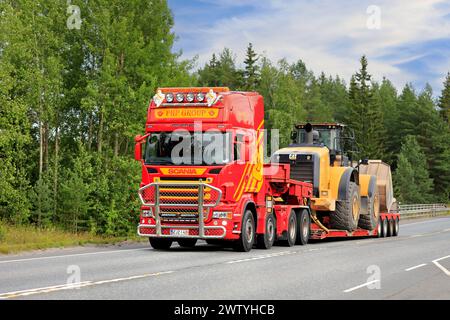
138, 151
138, 146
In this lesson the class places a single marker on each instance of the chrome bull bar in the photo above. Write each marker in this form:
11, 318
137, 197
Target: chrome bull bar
152, 196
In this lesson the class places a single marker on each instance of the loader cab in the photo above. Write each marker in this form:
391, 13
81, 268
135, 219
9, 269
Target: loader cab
329, 135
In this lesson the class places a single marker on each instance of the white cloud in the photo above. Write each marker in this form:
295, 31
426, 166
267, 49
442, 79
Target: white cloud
327, 35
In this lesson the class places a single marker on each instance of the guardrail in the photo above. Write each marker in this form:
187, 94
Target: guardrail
423, 210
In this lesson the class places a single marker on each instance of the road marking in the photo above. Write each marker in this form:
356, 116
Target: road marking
283, 253
417, 235
361, 286
416, 267
15, 294
441, 266
71, 255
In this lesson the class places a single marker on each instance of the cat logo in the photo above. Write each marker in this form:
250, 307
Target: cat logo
292, 156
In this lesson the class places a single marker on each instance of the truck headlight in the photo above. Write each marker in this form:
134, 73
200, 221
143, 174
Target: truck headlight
222, 214
147, 213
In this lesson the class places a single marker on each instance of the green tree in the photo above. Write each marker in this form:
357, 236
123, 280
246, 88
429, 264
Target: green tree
251, 73
444, 100
411, 180
365, 114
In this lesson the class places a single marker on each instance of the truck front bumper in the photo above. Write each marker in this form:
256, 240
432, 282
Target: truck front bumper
183, 231
199, 198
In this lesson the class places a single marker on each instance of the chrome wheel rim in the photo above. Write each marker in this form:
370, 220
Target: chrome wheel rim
305, 228
249, 230
270, 230
292, 228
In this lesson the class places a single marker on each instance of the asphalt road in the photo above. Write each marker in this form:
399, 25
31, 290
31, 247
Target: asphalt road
414, 265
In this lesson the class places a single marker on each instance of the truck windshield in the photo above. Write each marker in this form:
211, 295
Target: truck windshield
187, 148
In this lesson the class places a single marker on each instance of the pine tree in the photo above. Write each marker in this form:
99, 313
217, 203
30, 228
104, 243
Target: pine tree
365, 116
433, 135
444, 100
412, 181
251, 73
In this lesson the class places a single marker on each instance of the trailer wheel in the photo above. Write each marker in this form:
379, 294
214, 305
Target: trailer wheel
266, 240
370, 212
304, 227
248, 231
384, 228
187, 243
291, 236
380, 228
347, 211
390, 228
160, 243
396, 227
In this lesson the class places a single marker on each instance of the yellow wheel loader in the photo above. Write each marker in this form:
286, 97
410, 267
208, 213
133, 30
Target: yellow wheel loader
347, 195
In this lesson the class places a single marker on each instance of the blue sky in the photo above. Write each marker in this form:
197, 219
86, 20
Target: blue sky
404, 40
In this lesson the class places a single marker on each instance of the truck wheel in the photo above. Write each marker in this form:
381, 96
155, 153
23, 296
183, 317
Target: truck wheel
291, 236
187, 243
248, 231
390, 227
384, 228
396, 227
266, 240
160, 243
347, 211
370, 212
380, 228
304, 227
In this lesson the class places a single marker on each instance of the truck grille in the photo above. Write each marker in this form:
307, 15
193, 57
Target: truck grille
303, 171
179, 201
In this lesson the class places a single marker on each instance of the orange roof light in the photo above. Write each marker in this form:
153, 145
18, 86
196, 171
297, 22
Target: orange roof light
188, 96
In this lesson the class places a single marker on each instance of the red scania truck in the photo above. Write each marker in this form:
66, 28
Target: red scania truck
204, 177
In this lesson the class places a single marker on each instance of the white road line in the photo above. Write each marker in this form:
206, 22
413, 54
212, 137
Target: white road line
262, 257
361, 286
447, 272
416, 235
416, 267
72, 255
77, 285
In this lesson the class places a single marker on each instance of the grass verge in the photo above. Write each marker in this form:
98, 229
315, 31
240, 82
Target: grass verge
15, 239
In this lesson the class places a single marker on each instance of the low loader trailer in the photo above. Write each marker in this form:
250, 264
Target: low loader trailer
204, 177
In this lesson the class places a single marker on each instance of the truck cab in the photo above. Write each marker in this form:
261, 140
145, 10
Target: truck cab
202, 164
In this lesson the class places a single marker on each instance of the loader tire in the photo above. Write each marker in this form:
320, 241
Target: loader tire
370, 212
347, 211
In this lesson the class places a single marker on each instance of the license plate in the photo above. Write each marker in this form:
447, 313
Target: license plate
179, 232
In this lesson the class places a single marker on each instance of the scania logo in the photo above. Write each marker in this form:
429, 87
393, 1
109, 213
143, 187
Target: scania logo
182, 171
